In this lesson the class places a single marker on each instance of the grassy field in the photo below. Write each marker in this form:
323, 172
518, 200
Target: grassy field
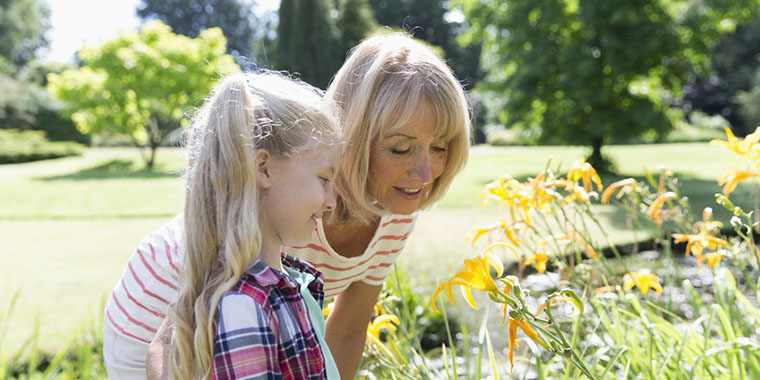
68, 226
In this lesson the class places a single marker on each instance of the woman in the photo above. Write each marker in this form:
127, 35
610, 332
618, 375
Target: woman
406, 122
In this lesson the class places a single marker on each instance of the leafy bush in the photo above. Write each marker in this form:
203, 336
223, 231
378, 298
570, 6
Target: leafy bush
23, 146
500, 136
26, 105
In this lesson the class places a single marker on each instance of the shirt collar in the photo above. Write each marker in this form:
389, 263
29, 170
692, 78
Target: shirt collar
268, 276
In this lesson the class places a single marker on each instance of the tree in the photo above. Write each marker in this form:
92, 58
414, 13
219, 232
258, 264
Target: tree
734, 63
191, 17
355, 21
594, 72
23, 24
431, 21
142, 84
307, 40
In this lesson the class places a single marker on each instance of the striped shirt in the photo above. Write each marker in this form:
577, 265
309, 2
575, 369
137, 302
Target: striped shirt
141, 298
263, 330
371, 267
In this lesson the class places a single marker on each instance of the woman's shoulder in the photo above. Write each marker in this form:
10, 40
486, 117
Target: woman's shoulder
397, 221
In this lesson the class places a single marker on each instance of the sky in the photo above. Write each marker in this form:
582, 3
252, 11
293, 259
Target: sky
76, 22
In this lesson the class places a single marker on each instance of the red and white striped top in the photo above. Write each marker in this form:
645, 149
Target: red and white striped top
140, 299
371, 267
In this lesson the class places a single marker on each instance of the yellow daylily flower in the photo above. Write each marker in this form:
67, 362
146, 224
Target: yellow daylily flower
475, 275
655, 209
328, 309
508, 228
696, 243
742, 147
642, 280
578, 193
628, 184
582, 170
539, 260
714, 258
525, 327
382, 321
730, 180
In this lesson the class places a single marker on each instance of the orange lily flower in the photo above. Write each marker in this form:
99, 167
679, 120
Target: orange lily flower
628, 184
730, 180
525, 327
642, 280
582, 170
475, 275
655, 209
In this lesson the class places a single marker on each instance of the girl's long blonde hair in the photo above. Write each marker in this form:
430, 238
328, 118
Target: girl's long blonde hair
244, 112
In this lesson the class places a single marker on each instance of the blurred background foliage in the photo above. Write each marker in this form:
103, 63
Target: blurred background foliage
576, 72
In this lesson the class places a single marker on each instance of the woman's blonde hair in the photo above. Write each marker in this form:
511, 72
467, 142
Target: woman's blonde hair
384, 82
244, 112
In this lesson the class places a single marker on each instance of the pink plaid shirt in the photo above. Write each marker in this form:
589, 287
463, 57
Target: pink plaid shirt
263, 330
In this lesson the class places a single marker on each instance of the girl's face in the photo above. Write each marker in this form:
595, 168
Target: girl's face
297, 191
405, 163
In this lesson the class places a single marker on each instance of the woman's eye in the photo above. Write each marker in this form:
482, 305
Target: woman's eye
324, 179
439, 149
399, 151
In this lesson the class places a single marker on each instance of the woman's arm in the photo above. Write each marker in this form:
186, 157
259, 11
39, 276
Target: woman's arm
347, 326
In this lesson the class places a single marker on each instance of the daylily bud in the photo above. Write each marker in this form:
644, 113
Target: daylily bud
707, 213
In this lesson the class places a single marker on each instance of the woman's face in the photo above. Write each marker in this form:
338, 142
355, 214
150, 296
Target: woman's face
404, 164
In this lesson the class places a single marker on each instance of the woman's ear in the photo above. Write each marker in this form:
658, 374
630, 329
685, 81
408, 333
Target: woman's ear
263, 168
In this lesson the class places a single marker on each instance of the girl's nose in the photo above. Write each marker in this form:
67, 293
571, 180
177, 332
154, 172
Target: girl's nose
330, 201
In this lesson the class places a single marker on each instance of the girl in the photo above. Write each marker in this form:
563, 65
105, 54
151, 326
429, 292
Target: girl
264, 151
406, 121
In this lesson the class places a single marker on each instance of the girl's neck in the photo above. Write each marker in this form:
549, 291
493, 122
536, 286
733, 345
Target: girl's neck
270, 254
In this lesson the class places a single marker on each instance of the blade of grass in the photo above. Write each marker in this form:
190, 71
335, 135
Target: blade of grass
451, 341
491, 356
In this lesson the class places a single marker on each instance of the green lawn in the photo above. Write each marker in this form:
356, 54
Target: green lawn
68, 226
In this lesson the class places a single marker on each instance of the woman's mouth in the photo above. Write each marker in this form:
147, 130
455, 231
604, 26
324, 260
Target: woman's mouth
408, 193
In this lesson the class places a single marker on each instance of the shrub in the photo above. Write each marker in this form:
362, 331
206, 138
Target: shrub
18, 146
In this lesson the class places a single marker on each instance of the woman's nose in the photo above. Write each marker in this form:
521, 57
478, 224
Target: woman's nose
422, 170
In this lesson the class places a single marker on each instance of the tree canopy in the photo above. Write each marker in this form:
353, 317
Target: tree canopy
430, 21
308, 40
593, 72
191, 17
23, 24
734, 65
142, 84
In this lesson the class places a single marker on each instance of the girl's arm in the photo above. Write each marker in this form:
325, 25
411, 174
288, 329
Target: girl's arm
346, 329
157, 362
245, 345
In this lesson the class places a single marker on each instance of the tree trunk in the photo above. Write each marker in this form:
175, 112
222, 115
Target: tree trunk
596, 159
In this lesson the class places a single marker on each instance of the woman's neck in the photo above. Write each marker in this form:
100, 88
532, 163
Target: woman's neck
350, 238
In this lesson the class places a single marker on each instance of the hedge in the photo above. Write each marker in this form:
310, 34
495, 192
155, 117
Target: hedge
23, 146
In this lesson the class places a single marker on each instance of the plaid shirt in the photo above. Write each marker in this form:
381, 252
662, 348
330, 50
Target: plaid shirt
263, 329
